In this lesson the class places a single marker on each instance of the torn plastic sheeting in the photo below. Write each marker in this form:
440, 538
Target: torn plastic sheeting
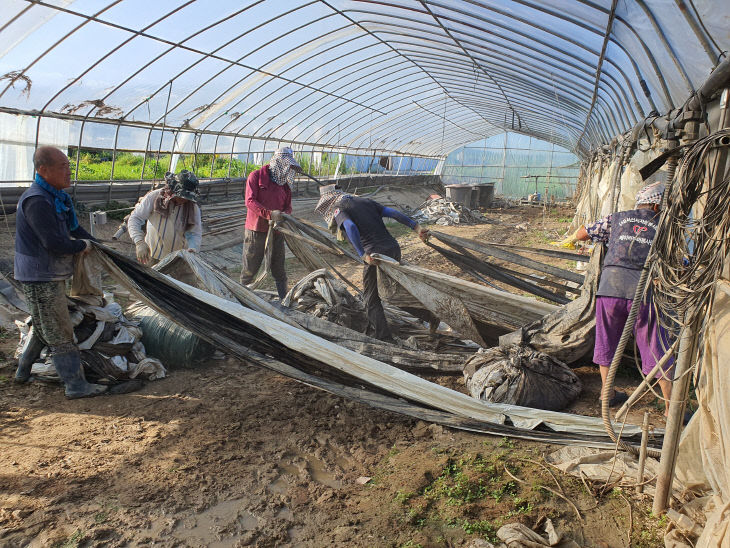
283, 342
568, 333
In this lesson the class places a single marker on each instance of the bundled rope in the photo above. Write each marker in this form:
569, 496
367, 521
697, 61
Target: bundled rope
691, 242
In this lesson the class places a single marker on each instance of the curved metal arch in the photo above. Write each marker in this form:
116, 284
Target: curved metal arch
521, 44
617, 103
57, 42
616, 126
283, 85
335, 72
436, 92
356, 23
581, 24
257, 70
500, 25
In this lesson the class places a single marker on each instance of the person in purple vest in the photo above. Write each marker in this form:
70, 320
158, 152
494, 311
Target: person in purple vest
628, 235
47, 236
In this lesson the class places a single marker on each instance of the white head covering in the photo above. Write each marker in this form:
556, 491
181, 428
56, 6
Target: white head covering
283, 166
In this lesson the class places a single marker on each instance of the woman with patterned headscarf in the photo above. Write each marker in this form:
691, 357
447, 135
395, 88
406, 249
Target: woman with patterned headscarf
628, 235
268, 195
172, 218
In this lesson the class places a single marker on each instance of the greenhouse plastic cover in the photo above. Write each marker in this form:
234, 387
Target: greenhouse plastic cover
401, 77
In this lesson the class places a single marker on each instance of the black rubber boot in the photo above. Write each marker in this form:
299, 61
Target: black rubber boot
31, 353
281, 288
68, 366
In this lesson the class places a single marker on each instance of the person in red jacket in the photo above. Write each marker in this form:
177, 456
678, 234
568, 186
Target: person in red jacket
268, 196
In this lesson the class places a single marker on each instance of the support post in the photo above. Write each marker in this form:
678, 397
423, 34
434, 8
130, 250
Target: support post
642, 453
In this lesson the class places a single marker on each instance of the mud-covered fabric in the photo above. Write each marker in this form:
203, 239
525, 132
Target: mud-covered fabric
49, 309
519, 375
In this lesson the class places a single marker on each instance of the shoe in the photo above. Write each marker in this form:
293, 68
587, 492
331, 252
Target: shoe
68, 367
618, 398
31, 353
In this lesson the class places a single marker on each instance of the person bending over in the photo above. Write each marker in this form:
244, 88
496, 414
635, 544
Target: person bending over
362, 221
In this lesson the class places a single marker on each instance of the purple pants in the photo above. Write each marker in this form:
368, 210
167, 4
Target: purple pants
611, 315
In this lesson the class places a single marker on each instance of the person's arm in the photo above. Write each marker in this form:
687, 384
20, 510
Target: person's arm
41, 217
405, 220
353, 234
81, 234
398, 216
139, 216
194, 236
252, 193
598, 231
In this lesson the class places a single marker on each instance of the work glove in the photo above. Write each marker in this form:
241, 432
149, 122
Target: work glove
423, 233
277, 215
143, 252
569, 242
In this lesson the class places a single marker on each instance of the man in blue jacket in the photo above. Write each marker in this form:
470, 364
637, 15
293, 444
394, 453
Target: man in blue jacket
362, 221
44, 251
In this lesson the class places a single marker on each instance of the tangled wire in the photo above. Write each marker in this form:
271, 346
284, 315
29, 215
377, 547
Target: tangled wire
691, 241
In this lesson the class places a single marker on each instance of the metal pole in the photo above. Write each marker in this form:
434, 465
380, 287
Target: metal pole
680, 391
642, 453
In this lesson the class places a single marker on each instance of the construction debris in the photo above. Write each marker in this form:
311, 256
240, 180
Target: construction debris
444, 212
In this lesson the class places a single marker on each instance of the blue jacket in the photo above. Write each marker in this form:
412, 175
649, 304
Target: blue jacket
44, 249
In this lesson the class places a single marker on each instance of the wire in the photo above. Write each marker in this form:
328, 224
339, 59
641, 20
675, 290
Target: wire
691, 242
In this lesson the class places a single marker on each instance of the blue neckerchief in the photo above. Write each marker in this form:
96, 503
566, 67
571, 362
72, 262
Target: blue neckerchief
63, 202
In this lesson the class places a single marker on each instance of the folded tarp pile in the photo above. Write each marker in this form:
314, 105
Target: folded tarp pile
445, 212
522, 376
282, 347
110, 346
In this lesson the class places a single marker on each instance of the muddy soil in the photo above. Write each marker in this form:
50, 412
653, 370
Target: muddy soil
224, 454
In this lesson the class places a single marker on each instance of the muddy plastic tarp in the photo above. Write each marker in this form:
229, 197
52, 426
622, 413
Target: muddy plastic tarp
521, 376
568, 333
472, 310
192, 269
270, 343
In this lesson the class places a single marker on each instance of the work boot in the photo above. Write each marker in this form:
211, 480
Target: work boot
68, 367
31, 353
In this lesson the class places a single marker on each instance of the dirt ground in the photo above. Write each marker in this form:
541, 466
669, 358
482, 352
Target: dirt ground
224, 454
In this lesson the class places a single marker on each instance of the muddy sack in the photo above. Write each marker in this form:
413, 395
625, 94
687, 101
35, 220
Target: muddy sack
519, 375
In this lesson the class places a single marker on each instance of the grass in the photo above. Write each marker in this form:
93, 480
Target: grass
74, 541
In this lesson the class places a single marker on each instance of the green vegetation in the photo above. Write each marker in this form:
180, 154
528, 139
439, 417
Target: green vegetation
96, 165
74, 541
